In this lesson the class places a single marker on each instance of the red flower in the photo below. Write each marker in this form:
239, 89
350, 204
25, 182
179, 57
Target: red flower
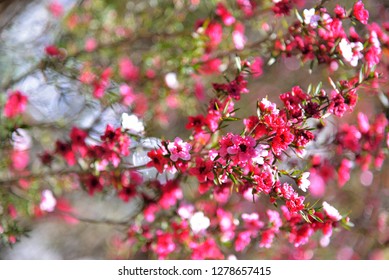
196, 122
65, 150
116, 141
15, 105
360, 13
282, 140
234, 88
93, 184
52, 50
127, 192
337, 104
282, 7
78, 140
203, 170
158, 160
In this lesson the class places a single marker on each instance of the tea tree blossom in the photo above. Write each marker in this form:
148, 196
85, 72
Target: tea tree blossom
179, 150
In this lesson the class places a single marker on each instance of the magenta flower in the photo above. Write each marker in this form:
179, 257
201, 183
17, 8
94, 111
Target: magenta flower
360, 13
242, 148
179, 149
15, 105
227, 18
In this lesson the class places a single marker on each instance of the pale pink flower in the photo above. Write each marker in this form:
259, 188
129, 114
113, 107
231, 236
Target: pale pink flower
48, 201
331, 211
179, 149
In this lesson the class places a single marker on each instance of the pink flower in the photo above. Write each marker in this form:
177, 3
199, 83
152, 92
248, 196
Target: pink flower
268, 107
15, 105
344, 172
360, 13
56, 8
20, 159
171, 194
165, 245
225, 15
242, 148
242, 240
179, 150
267, 239
128, 70
337, 104
90, 44
252, 222
150, 211
257, 67
264, 180
206, 250
101, 84
274, 220
215, 33
340, 11
127, 93
317, 186
238, 36
247, 6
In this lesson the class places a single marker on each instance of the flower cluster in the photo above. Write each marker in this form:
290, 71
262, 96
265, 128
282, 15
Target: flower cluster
323, 38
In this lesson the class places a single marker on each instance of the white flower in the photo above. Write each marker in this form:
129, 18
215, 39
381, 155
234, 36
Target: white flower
21, 140
185, 211
303, 182
261, 153
331, 211
351, 52
132, 123
48, 201
171, 80
310, 17
198, 222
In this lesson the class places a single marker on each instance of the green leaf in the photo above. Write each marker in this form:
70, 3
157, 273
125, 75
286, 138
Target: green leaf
318, 88
305, 217
298, 16
309, 88
316, 218
232, 177
238, 63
